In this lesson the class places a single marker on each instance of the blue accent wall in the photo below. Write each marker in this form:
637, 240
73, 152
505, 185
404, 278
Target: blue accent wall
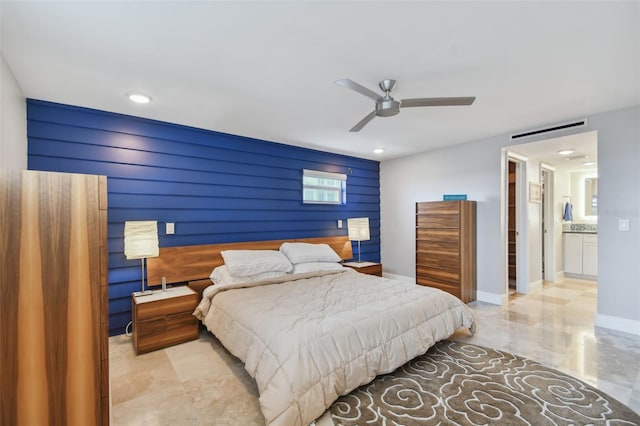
215, 187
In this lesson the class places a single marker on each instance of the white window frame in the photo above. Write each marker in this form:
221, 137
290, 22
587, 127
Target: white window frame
340, 190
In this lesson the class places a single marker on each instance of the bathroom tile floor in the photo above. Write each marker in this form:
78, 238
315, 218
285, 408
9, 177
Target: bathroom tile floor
200, 383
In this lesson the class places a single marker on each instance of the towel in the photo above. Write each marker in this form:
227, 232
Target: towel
568, 212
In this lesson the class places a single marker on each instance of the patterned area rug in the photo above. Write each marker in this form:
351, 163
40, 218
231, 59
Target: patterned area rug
462, 384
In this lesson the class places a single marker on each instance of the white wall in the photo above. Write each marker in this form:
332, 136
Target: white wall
618, 198
13, 121
472, 169
475, 169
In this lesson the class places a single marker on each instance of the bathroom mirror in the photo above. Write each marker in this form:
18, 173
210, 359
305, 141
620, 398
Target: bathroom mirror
591, 197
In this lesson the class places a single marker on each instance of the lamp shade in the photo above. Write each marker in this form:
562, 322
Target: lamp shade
141, 239
358, 229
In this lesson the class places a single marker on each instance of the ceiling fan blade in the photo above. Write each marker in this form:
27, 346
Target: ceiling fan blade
350, 84
363, 122
424, 102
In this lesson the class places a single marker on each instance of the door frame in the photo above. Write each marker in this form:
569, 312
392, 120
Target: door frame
549, 231
522, 232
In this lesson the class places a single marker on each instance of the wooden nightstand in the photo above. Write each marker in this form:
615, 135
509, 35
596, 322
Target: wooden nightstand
370, 268
164, 318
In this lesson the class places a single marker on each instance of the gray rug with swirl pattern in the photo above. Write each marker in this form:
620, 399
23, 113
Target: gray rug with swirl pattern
458, 383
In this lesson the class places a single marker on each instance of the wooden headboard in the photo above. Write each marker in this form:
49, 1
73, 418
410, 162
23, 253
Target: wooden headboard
190, 263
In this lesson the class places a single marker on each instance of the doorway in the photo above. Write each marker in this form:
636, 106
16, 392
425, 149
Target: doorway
537, 222
511, 226
517, 263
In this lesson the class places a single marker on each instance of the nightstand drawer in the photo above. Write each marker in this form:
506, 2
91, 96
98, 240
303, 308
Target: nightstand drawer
165, 331
369, 268
170, 306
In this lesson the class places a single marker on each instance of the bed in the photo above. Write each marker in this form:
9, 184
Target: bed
309, 337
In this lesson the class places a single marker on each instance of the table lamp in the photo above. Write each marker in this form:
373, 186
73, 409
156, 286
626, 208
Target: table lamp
358, 230
141, 242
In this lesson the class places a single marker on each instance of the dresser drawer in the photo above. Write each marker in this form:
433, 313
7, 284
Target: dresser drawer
438, 221
442, 248
447, 276
451, 289
438, 236
441, 207
439, 260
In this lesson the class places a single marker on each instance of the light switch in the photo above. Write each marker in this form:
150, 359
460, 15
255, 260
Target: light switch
170, 228
339, 223
623, 224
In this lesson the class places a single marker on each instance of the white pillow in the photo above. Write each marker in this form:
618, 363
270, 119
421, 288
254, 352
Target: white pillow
220, 276
300, 268
246, 263
306, 252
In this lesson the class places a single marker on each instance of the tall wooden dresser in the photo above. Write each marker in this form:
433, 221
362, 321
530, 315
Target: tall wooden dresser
446, 247
53, 299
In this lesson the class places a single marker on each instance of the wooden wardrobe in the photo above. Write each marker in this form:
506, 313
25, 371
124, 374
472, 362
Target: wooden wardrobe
446, 247
53, 299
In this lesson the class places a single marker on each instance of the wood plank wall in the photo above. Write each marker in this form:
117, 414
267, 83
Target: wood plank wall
216, 187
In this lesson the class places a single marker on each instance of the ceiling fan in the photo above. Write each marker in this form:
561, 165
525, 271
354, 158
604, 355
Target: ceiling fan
386, 106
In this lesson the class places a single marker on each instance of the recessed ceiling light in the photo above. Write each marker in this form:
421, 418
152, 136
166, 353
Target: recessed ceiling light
139, 98
589, 163
378, 151
565, 152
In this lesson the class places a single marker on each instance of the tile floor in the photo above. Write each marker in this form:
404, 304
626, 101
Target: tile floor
200, 383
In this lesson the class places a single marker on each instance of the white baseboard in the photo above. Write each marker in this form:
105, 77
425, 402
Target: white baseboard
493, 298
398, 277
559, 277
535, 286
619, 324
581, 277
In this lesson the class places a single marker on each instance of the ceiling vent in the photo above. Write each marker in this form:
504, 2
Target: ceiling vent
551, 129
577, 157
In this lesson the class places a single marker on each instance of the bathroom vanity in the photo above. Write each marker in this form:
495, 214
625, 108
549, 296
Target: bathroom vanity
580, 250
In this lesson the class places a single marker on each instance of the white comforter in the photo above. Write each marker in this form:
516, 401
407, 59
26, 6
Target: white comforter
309, 340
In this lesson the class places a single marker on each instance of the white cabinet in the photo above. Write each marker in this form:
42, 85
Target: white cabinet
573, 253
580, 254
589, 254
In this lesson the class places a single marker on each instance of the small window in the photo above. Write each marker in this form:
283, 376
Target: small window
323, 187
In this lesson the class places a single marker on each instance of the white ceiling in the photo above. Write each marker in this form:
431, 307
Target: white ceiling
267, 69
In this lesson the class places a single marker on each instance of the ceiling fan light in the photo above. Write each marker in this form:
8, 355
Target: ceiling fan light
565, 152
139, 98
387, 106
